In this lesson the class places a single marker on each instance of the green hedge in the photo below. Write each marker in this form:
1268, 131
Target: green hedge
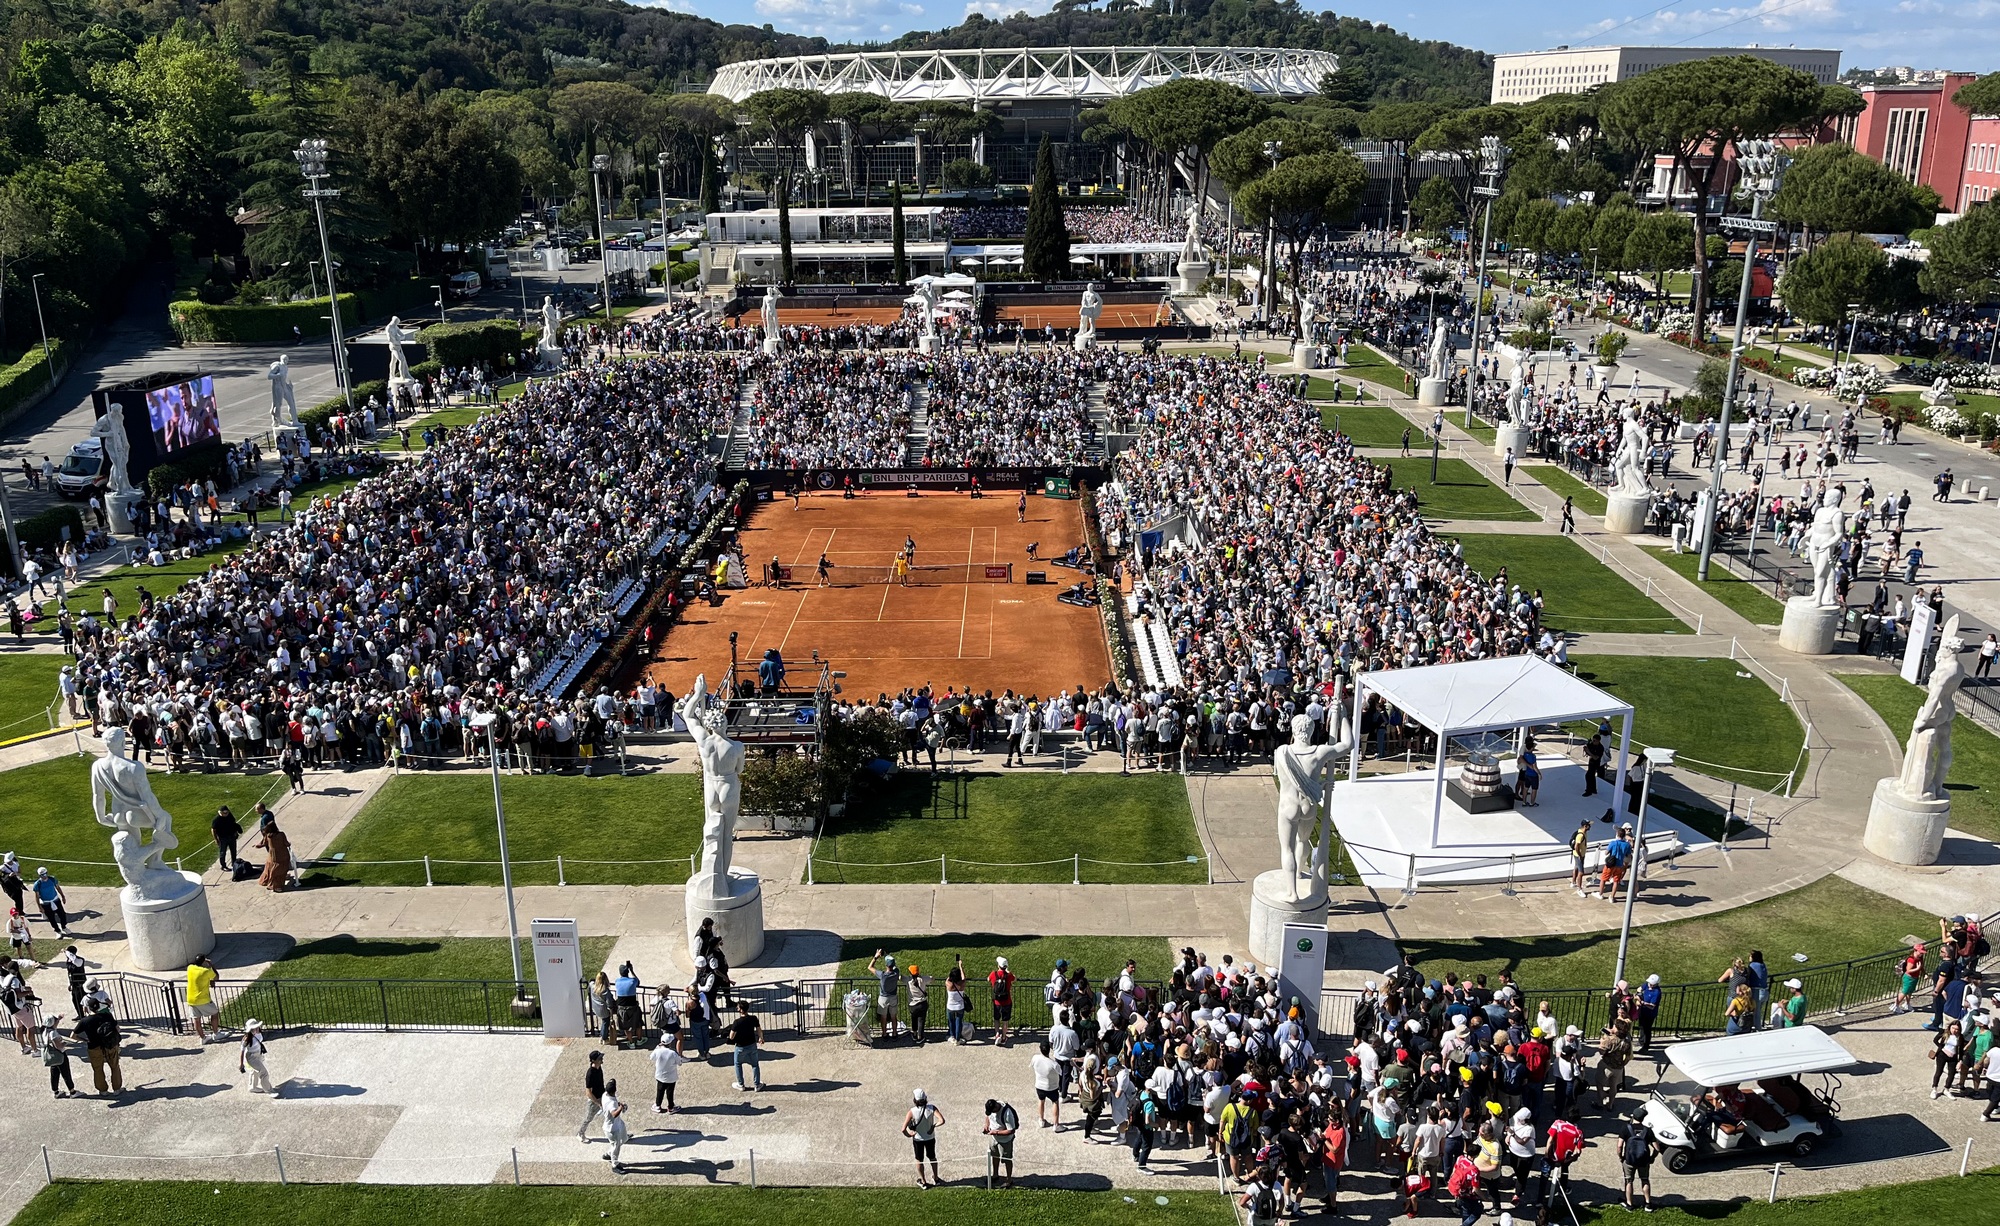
194, 464
43, 530
195, 321
319, 429
491, 342
27, 378
683, 271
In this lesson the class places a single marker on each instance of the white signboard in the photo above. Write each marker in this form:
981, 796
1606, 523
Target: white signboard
559, 975
1302, 969
1923, 619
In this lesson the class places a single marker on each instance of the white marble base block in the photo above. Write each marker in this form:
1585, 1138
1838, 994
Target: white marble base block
1192, 275
1430, 392
1808, 629
1626, 513
1272, 907
1510, 437
1904, 829
772, 346
739, 918
168, 933
1305, 355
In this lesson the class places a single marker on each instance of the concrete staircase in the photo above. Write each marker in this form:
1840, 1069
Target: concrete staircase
738, 452
917, 439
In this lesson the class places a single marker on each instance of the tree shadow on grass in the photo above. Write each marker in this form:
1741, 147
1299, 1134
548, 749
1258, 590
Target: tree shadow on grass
1433, 958
345, 946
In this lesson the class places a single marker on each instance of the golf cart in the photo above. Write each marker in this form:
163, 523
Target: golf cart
1744, 1095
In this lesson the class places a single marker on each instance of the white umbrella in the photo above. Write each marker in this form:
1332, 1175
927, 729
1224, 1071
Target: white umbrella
1079, 259
955, 278
970, 261
959, 295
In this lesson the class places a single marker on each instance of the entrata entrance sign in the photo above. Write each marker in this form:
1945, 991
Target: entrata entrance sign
559, 976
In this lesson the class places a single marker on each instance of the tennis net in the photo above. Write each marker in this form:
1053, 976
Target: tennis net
839, 575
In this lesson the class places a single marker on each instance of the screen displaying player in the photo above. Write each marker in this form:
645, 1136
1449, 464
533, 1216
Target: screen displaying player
184, 414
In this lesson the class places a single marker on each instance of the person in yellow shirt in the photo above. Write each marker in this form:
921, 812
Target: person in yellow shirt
201, 999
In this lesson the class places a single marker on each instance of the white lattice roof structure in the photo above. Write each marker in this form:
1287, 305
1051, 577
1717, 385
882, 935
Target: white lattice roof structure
1014, 74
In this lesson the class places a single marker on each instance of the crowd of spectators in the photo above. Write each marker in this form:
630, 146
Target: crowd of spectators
820, 409
1026, 407
1085, 224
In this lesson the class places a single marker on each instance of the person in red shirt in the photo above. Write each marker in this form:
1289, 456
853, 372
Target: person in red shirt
1002, 982
1333, 1155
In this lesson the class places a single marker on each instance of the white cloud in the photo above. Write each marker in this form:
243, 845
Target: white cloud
1000, 10
1740, 24
841, 18
678, 6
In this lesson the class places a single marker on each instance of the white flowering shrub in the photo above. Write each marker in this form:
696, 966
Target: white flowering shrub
1945, 420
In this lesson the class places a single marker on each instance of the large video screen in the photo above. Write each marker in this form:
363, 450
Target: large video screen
183, 414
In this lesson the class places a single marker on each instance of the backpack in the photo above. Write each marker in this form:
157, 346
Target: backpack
1265, 1206
1145, 1058
1638, 1147
1177, 1093
1536, 1057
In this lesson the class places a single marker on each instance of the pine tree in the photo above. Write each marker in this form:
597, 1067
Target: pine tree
901, 271
1046, 246
711, 190
785, 228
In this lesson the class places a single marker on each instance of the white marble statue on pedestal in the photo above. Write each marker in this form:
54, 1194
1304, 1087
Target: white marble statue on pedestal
167, 923
1517, 393
548, 350
1303, 790
1628, 464
1829, 524
1940, 396
1087, 311
121, 798
1441, 351
109, 430
1927, 760
927, 292
284, 401
399, 361
721, 787
1192, 251
769, 312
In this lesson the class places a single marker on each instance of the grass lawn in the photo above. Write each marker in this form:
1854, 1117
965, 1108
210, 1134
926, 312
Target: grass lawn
1974, 781
1370, 426
1351, 391
48, 815
1013, 819
1969, 403
345, 979
450, 817
1460, 492
1785, 366
1752, 600
1478, 429
27, 687
1677, 702
1589, 499
1831, 920
1579, 592
1364, 362
453, 417
1030, 958
161, 1203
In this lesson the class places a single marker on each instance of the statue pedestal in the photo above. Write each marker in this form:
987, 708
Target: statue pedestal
739, 918
168, 933
1305, 355
1511, 437
1083, 341
1272, 907
927, 344
1626, 513
115, 511
772, 346
1191, 275
1808, 629
549, 357
1430, 392
1904, 829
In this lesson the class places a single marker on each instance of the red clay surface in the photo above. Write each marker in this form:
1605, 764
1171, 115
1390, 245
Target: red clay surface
824, 317
885, 637
1064, 318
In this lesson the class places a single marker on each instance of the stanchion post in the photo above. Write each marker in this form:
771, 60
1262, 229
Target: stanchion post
560, 880
809, 866
1776, 1169
279, 1154
1964, 1162
944, 878
753, 1169
49, 1170
514, 1155
1700, 620
427, 869
1076, 868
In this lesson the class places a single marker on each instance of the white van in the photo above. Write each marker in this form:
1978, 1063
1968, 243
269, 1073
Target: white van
465, 284
1744, 1095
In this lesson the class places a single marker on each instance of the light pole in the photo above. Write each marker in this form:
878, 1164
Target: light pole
600, 166
1853, 328
48, 358
1763, 165
485, 721
311, 155
1493, 164
439, 304
1656, 760
666, 263
1275, 150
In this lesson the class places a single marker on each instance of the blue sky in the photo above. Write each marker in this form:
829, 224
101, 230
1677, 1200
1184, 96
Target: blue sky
1956, 34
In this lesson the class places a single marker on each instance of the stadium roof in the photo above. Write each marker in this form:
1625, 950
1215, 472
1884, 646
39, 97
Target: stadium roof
1015, 74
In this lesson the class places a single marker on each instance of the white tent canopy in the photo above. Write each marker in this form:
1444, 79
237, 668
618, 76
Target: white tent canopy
1484, 696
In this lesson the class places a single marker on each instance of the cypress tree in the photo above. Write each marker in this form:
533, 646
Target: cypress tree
901, 271
1046, 247
711, 190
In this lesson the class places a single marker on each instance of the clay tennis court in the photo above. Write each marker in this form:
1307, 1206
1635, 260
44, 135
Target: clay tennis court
1067, 317
824, 317
987, 635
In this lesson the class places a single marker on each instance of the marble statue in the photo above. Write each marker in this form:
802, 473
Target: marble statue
770, 312
399, 361
1517, 394
284, 401
1628, 464
110, 430
1940, 396
1441, 350
1303, 792
1928, 759
1192, 252
123, 800
1087, 312
548, 350
721, 787
1829, 524
927, 290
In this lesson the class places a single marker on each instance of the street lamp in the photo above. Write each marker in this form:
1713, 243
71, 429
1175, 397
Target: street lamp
666, 264
311, 155
485, 721
1493, 164
439, 304
600, 166
1656, 760
1763, 165
1275, 150
48, 358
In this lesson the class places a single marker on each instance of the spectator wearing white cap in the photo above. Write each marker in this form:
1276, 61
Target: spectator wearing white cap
1793, 1011
251, 1059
